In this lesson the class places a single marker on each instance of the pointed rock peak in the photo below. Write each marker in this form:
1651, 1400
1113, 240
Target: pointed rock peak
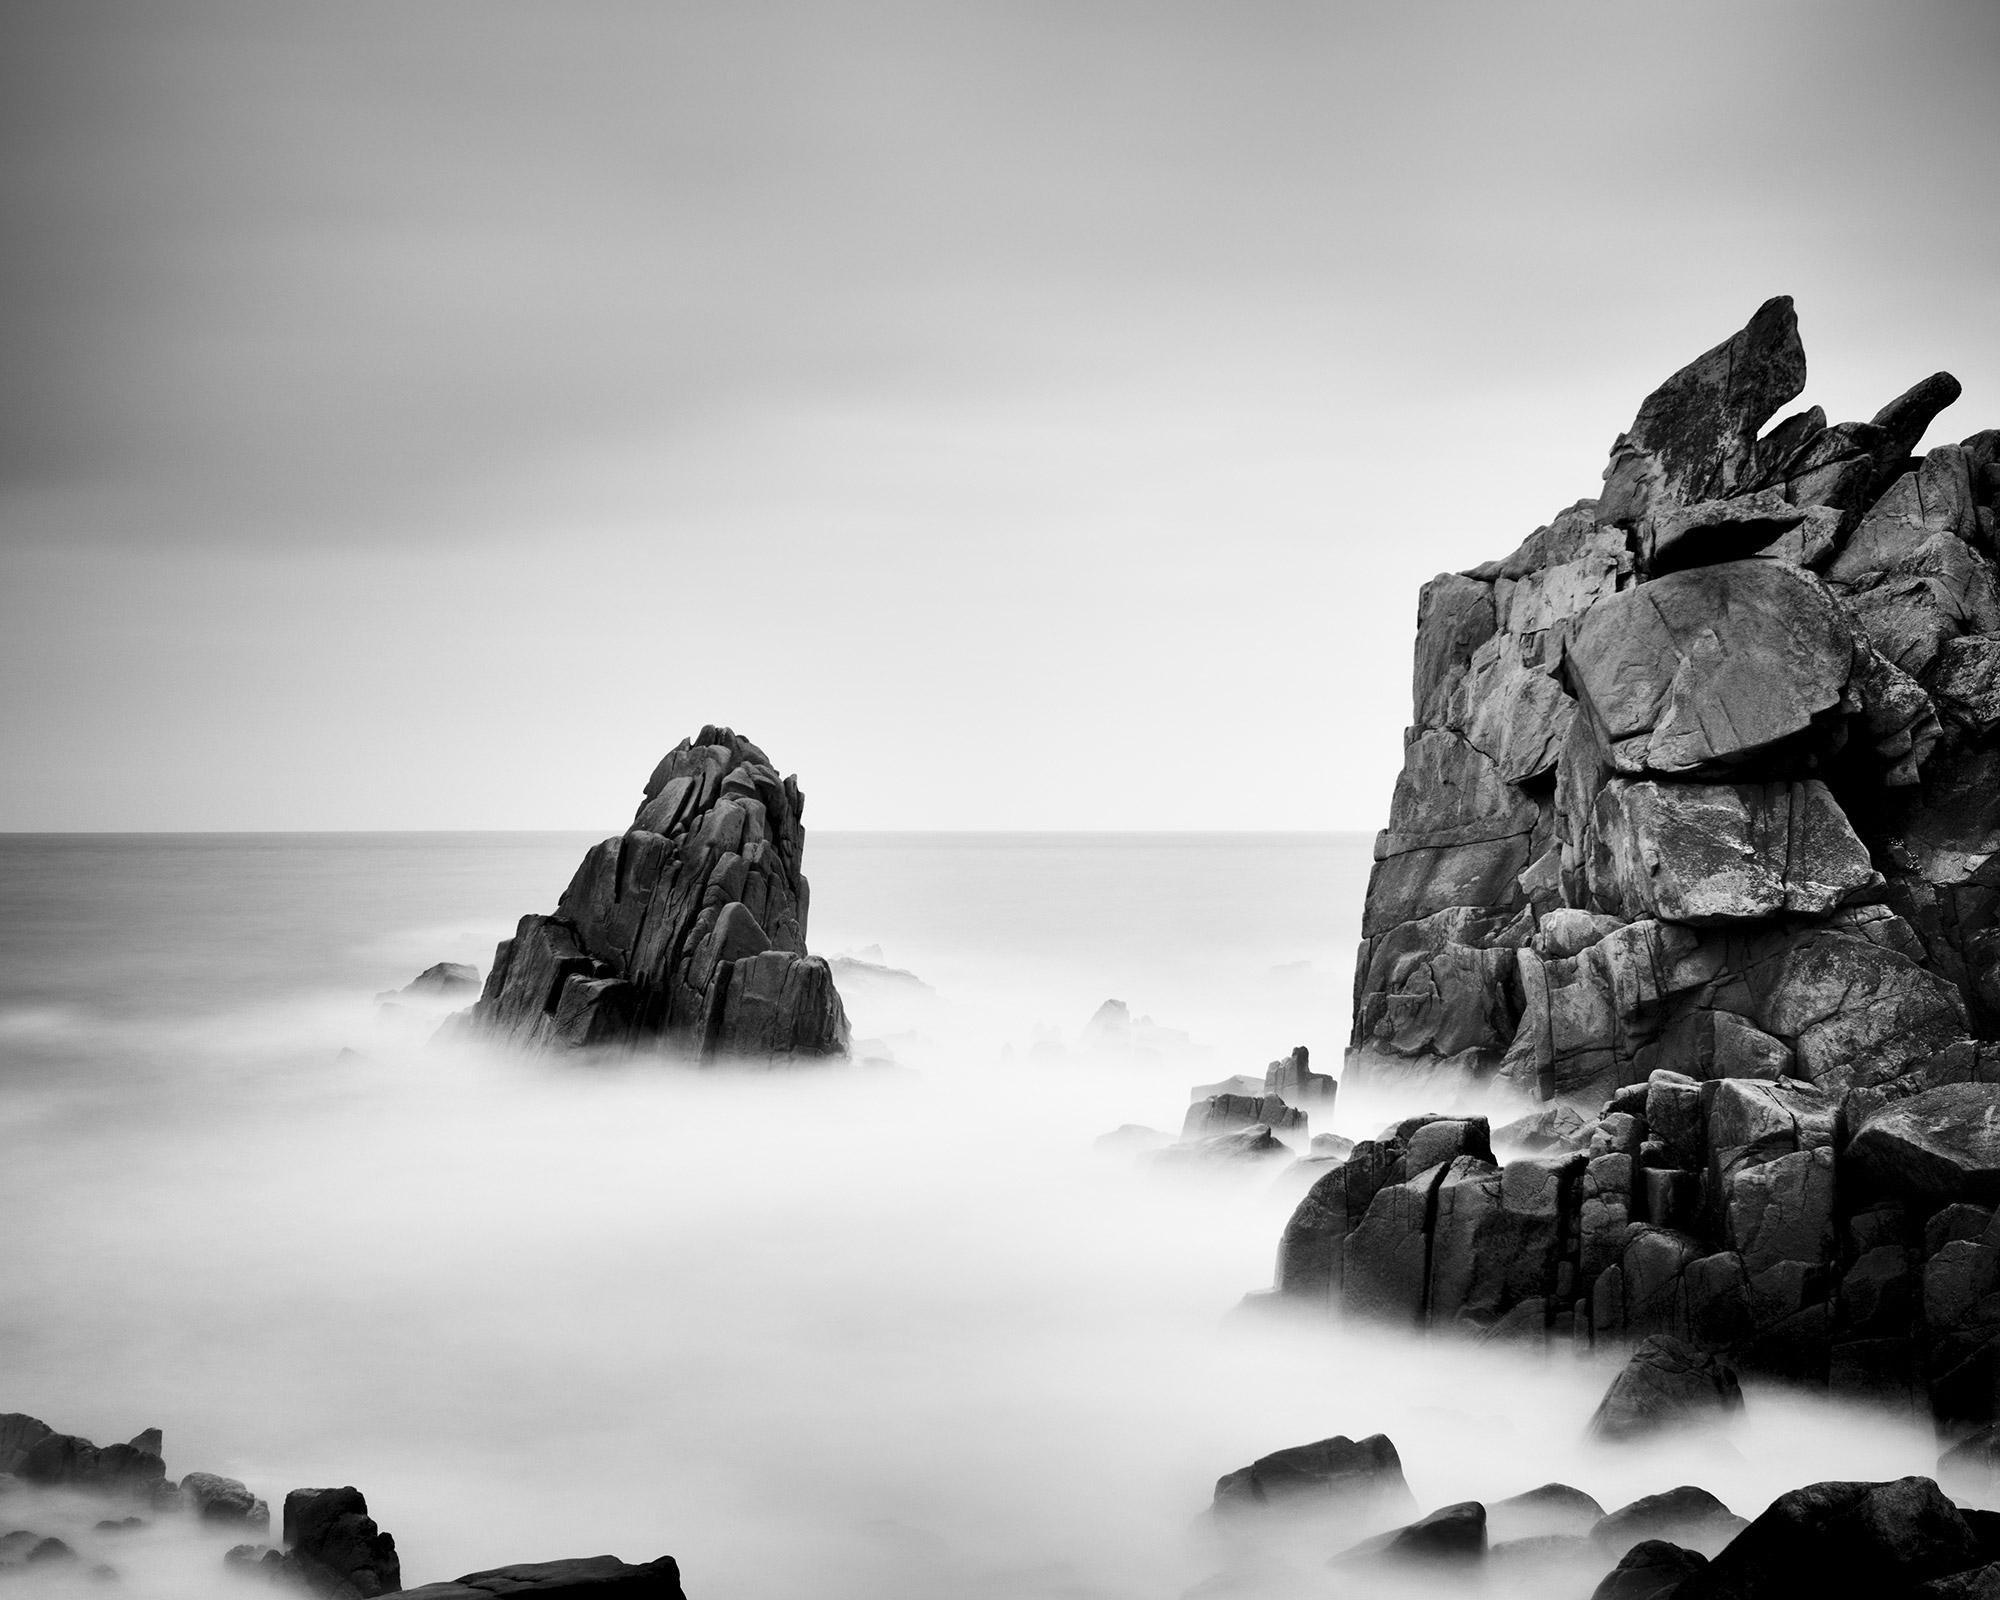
1695, 437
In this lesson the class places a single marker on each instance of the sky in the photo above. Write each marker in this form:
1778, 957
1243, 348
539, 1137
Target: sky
1022, 416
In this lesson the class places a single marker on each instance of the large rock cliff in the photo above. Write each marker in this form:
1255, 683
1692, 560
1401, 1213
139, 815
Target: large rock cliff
1708, 762
1696, 834
688, 930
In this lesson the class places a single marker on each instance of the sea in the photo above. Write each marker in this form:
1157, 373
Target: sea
905, 1326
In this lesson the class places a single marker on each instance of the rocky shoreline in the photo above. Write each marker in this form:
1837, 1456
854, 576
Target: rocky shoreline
104, 1496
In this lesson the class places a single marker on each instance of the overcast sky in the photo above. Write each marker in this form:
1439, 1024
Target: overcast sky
1012, 416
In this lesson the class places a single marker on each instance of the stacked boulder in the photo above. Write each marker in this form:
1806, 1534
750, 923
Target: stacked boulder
688, 931
1698, 832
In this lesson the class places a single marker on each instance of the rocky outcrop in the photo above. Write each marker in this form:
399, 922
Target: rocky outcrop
1718, 741
1697, 839
35, 1453
336, 1549
688, 931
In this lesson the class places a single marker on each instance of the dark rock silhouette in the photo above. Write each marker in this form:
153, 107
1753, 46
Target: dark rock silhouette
335, 1546
688, 930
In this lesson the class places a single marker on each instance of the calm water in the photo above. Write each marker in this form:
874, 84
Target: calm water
877, 1331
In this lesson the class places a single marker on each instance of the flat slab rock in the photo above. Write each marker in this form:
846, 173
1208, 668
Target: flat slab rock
598, 1577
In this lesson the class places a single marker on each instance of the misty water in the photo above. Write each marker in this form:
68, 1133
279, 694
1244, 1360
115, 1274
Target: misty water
898, 1328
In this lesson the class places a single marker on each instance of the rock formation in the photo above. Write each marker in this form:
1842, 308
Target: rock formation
1697, 832
688, 930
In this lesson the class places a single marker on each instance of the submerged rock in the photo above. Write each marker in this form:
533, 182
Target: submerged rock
690, 929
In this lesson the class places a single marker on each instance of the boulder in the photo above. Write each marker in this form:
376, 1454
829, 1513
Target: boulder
1554, 1508
1688, 1516
1700, 670
585, 1578
1702, 853
1938, 1146
687, 931
1357, 1479
336, 1547
224, 1502
1842, 1538
1650, 1570
1451, 1536
1667, 1383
